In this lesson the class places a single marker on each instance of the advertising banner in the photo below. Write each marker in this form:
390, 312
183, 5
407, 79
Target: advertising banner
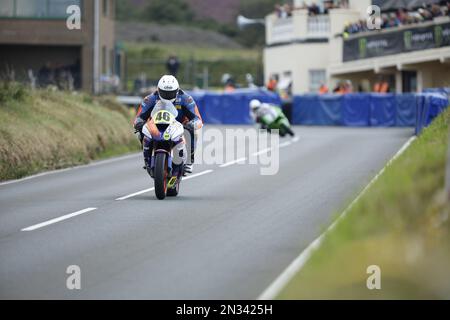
378, 44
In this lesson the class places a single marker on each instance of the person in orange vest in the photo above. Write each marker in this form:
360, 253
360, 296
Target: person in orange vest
381, 86
323, 89
273, 83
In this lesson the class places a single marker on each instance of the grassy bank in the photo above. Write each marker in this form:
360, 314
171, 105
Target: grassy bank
44, 130
401, 225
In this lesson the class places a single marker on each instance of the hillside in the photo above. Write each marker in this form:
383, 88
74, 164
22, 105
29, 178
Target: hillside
172, 34
224, 11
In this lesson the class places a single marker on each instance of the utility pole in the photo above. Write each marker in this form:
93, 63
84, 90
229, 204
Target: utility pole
96, 75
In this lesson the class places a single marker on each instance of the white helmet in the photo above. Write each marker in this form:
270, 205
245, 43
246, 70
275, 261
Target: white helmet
255, 104
168, 88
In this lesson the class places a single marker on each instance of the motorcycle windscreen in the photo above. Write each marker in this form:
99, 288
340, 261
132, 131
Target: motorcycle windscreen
164, 106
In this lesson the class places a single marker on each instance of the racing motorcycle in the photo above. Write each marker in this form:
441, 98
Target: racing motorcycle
274, 119
168, 153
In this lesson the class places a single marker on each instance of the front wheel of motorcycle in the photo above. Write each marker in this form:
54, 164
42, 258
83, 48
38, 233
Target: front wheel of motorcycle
288, 130
160, 175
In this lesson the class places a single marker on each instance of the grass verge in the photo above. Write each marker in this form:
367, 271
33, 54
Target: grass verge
45, 130
401, 225
237, 62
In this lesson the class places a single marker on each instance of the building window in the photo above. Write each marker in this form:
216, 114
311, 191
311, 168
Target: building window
36, 9
25, 8
105, 7
316, 79
6, 8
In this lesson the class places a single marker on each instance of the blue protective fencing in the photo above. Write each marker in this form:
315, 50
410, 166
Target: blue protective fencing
429, 107
377, 110
355, 110
230, 108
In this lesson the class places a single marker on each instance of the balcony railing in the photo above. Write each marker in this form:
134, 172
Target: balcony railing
298, 27
283, 30
301, 26
318, 27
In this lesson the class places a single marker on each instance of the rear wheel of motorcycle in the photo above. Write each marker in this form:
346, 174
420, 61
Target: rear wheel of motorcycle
160, 174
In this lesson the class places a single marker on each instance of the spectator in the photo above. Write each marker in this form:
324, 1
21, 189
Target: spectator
172, 65
250, 81
45, 75
287, 9
230, 86
313, 9
328, 5
228, 81
343, 87
75, 70
273, 83
382, 86
323, 89
402, 17
283, 11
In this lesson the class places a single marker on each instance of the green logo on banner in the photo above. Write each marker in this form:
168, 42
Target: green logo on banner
362, 48
408, 40
438, 36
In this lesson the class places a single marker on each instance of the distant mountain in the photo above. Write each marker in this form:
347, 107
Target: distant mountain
223, 11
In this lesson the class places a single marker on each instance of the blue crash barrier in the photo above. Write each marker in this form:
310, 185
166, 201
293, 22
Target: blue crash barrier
230, 108
317, 110
355, 110
428, 107
371, 109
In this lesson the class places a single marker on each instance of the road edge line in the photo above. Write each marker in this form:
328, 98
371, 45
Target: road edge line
272, 291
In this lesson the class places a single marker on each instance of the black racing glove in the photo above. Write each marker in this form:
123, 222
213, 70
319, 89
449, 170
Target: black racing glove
192, 125
139, 124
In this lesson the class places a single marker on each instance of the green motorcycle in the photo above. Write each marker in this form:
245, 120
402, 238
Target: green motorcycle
273, 118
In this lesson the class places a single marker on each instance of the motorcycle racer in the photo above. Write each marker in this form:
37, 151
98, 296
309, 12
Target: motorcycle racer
188, 115
271, 117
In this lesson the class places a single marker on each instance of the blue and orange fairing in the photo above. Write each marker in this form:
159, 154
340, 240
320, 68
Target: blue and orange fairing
184, 103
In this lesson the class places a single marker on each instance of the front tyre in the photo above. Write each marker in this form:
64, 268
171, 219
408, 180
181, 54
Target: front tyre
160, 175
288, 130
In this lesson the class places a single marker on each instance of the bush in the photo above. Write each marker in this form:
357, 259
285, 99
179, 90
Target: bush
12, 91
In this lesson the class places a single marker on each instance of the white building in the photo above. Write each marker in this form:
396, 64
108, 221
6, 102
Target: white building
309, 51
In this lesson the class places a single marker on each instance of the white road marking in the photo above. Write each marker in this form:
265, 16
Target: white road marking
52, 221
285, 144
197, 174
232, 162
151, 189
134, 194
282, 145
261, 152
286, 276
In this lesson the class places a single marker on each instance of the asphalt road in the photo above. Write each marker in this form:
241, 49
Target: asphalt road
228, 235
